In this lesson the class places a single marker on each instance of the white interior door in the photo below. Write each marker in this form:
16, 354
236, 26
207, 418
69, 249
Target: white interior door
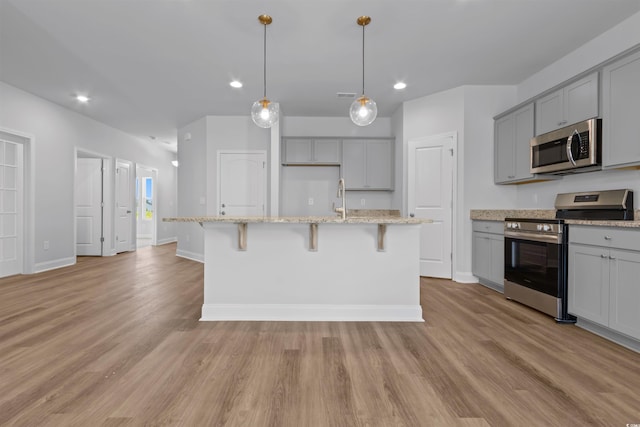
11, 208
124, 207
89, 207
145, 206
242, 182
430, 195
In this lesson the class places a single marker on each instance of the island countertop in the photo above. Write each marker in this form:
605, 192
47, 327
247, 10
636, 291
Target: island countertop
301, 220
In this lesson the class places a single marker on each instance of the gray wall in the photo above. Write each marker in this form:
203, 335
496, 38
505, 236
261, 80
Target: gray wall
57, 133
198, 171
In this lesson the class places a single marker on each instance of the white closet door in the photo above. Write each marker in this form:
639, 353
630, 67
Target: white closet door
11, 208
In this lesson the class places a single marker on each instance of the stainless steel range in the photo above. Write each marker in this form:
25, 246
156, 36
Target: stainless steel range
536, 250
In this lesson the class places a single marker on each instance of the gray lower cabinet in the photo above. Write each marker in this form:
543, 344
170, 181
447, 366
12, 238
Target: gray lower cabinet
604, 278
620, 112
488, 253
367, 164
512, 134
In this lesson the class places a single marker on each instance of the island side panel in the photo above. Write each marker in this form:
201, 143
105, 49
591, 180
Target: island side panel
278, 278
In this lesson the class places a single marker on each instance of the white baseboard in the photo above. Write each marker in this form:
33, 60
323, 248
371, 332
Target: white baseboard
52, 265
193, 256
312, 312
464, 277
166, 241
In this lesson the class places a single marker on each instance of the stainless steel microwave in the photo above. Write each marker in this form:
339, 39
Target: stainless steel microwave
571, 149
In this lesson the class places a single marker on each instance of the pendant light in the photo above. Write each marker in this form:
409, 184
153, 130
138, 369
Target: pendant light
264, 112
363, 110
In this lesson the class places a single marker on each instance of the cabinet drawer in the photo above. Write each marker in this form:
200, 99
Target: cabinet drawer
620, 238
496, 227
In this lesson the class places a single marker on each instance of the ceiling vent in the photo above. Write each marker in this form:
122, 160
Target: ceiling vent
346, 95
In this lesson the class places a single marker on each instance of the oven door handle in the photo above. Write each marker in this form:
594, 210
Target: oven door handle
544, 238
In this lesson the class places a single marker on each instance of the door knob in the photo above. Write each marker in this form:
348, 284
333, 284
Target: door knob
222, 213
128, 211
223, 205
412, 215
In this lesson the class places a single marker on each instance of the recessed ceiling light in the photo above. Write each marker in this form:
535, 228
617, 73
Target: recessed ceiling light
82, 98
399, 85
236, 84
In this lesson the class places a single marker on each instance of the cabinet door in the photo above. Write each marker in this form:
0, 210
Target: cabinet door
497, 259
620, 107
512, 153
379, 165
573, 103
353, 164
589, 283
549, 111
624, 305
504, 167
481, 261
297, 150
523, 135
326, 151
581, 100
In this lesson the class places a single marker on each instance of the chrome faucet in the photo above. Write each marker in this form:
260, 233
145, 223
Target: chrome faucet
342, 192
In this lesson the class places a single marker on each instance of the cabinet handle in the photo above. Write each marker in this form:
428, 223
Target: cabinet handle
511, 176
612, 257
607, 237
603, 256
564, 122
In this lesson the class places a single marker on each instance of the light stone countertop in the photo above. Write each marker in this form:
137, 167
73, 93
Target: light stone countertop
301, 220
501, 214
623, 224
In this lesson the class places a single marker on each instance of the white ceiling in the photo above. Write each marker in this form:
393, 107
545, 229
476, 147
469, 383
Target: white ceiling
151, 66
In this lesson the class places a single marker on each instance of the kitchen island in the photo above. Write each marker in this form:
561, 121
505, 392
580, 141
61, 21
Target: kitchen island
311, 268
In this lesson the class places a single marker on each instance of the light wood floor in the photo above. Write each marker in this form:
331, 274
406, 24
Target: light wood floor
116, 341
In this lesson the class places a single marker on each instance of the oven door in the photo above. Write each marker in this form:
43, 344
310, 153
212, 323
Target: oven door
534, 262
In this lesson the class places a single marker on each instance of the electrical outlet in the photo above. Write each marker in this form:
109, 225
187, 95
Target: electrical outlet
45, 245
310, 201
362, 202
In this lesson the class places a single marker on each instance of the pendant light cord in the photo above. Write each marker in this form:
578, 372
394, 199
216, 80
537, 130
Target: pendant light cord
264, 62
363, 60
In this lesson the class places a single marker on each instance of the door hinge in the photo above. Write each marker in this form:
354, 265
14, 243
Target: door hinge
451, 256
102, 204
102, 239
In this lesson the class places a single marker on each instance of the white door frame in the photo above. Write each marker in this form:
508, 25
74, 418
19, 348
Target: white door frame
29, 199
107, 198
219, 178
154, 226
454, 190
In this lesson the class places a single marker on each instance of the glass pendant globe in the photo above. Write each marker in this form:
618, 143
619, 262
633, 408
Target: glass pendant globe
265, 113
363, 111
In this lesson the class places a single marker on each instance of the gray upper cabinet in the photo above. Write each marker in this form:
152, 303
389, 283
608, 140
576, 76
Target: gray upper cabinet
512, 134
573, 103
620, 112
311, 151
367, 164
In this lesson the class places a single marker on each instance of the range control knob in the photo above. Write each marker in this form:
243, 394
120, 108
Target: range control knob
546, 227
539, 227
